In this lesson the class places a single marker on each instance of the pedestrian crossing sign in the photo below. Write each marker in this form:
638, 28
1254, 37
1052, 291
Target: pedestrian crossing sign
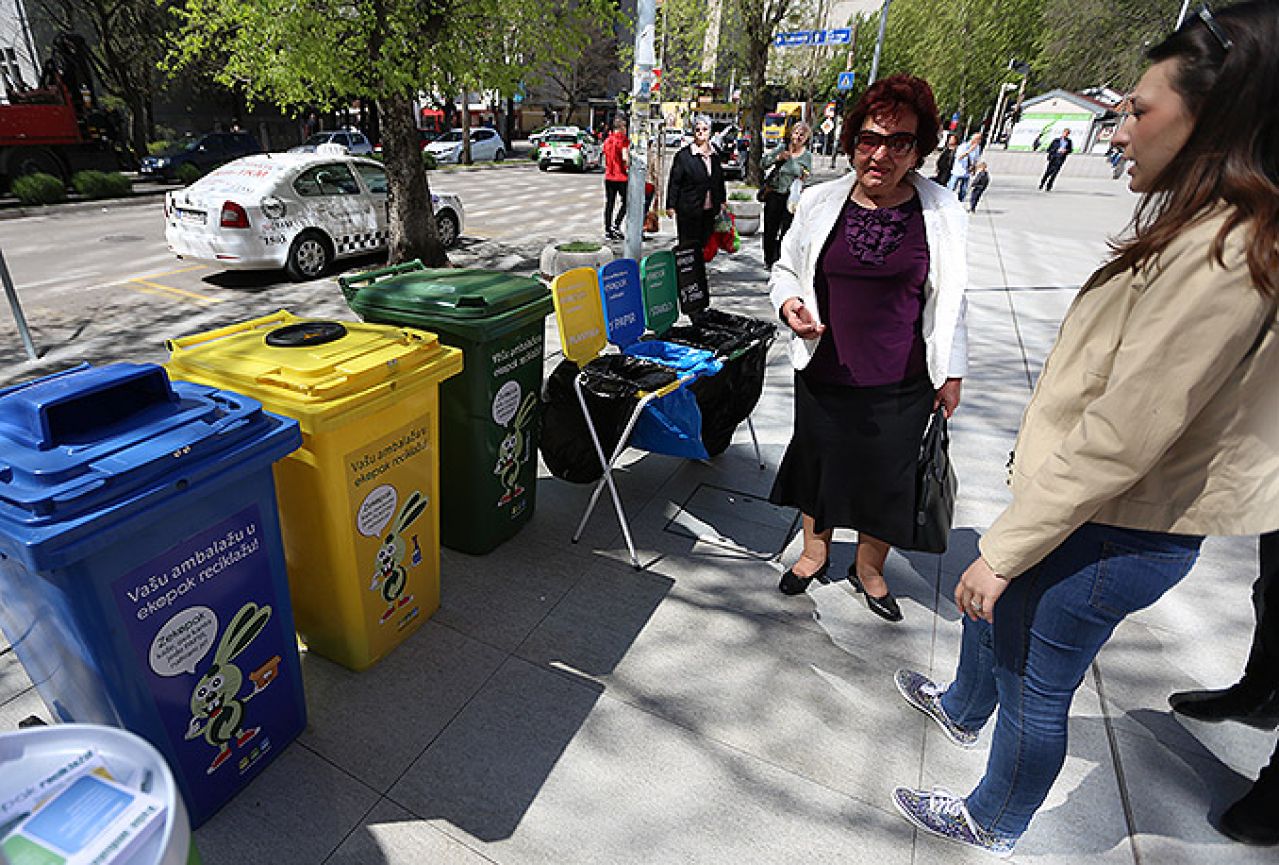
846, 80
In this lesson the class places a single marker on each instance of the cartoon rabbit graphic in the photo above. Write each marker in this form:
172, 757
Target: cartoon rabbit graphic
217, 709
513, 451
390, 574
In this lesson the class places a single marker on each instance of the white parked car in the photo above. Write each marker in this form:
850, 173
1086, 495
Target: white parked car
352, 139
575, 150
485, 144
298, 211
538, 137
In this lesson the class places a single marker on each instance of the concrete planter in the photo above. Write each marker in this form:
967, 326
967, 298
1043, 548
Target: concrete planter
746, 215
555, 260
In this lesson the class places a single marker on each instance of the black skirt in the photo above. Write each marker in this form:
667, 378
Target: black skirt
852, 457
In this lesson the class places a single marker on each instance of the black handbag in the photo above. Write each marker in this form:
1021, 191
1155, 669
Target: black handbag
935, 488
762, 195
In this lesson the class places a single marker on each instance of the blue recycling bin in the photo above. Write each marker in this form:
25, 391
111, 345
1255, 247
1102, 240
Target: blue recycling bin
141, 567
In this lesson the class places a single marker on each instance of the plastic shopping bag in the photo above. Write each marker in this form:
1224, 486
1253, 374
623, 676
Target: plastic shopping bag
796, 189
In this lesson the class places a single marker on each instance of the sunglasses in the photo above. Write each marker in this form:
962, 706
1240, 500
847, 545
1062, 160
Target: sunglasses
898, 144
1205, 15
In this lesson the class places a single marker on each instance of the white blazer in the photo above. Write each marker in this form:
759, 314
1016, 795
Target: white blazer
946, 227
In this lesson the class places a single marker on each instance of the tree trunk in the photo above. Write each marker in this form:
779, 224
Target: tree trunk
465, 158
138, 122
510, 122
410, 217
753, 109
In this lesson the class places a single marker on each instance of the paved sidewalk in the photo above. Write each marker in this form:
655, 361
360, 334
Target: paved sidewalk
563, 708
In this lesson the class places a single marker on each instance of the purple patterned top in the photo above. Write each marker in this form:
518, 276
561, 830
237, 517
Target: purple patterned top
870, 294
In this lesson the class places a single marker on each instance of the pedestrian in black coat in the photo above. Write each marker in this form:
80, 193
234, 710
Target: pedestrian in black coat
695, 192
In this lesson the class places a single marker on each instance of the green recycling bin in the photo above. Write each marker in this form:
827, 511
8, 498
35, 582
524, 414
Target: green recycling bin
490, 414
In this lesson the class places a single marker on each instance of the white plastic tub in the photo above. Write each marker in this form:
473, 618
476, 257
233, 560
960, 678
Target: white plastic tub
30, 754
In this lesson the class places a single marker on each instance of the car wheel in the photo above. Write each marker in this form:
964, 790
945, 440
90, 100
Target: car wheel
309, 256
32, 160
544, 165
499, 155
446, 225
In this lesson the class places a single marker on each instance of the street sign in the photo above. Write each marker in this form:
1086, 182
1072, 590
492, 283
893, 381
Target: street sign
830, 109
846, 80
793, 39
797, 38
828, 126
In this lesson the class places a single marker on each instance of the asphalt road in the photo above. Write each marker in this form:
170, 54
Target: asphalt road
85, 273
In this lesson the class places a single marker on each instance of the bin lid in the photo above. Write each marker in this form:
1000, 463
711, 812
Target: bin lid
304, 366
82, 441
451, 293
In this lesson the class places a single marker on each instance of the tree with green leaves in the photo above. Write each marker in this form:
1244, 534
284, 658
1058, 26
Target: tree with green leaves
324, 51
126, 40
759, 21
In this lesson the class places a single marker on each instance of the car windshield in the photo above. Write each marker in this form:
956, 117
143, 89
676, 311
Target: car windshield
451, 137
561, 139
319, 138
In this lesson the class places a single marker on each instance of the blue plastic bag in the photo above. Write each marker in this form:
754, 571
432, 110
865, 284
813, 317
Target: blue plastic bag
672, 424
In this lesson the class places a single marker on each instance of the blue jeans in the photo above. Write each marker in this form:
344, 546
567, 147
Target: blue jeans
1056, 617
959, 185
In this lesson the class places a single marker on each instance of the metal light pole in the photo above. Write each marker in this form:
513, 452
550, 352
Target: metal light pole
642, 88
879, 43
1181, 16
16, 307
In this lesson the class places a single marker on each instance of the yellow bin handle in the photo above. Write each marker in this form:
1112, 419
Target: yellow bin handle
176, 346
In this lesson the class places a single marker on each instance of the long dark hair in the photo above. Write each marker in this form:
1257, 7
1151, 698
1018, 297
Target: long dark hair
1232, 155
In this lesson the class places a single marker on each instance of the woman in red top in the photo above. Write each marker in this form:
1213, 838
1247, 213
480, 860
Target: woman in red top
617, 150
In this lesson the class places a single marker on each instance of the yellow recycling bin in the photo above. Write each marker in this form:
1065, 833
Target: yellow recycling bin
358, 501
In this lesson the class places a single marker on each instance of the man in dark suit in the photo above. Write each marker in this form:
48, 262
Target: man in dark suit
1057, 153
1254, 700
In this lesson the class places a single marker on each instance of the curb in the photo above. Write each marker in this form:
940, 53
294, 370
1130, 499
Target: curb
136, 199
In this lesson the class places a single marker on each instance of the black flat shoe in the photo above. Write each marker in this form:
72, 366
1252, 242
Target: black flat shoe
884, 606
1236, 703
792, 584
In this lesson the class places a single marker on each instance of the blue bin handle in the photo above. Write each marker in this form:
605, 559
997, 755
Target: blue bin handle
69, 406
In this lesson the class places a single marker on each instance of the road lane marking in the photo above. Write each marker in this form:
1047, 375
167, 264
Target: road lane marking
148, 287
172, 272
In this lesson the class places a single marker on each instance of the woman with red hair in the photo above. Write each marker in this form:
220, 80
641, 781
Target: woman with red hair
871, 280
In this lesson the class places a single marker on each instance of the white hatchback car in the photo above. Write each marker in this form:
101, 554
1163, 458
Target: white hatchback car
298, 211
485, 144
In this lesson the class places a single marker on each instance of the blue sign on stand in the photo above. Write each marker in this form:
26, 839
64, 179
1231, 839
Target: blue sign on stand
623, 301
846, 80
840, 36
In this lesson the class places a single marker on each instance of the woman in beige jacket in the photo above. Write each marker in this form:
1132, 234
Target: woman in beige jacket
1155, 422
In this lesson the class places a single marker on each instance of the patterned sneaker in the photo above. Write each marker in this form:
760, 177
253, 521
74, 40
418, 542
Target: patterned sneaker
943, 813
925, 695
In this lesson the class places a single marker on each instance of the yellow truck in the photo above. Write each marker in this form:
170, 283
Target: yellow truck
777, 123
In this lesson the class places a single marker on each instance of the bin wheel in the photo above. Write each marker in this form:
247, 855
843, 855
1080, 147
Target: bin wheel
309, 256
446, 225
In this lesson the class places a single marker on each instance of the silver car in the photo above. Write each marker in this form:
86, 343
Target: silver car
353, 140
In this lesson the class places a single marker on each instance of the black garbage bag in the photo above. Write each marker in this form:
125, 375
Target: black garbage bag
728, 398
611, 385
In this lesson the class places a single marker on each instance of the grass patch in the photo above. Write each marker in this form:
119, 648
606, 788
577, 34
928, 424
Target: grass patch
101, 184
39, 189
188, 174
579, 246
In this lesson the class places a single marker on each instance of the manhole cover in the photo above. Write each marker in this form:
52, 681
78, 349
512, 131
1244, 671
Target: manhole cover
122, 238
731, 519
